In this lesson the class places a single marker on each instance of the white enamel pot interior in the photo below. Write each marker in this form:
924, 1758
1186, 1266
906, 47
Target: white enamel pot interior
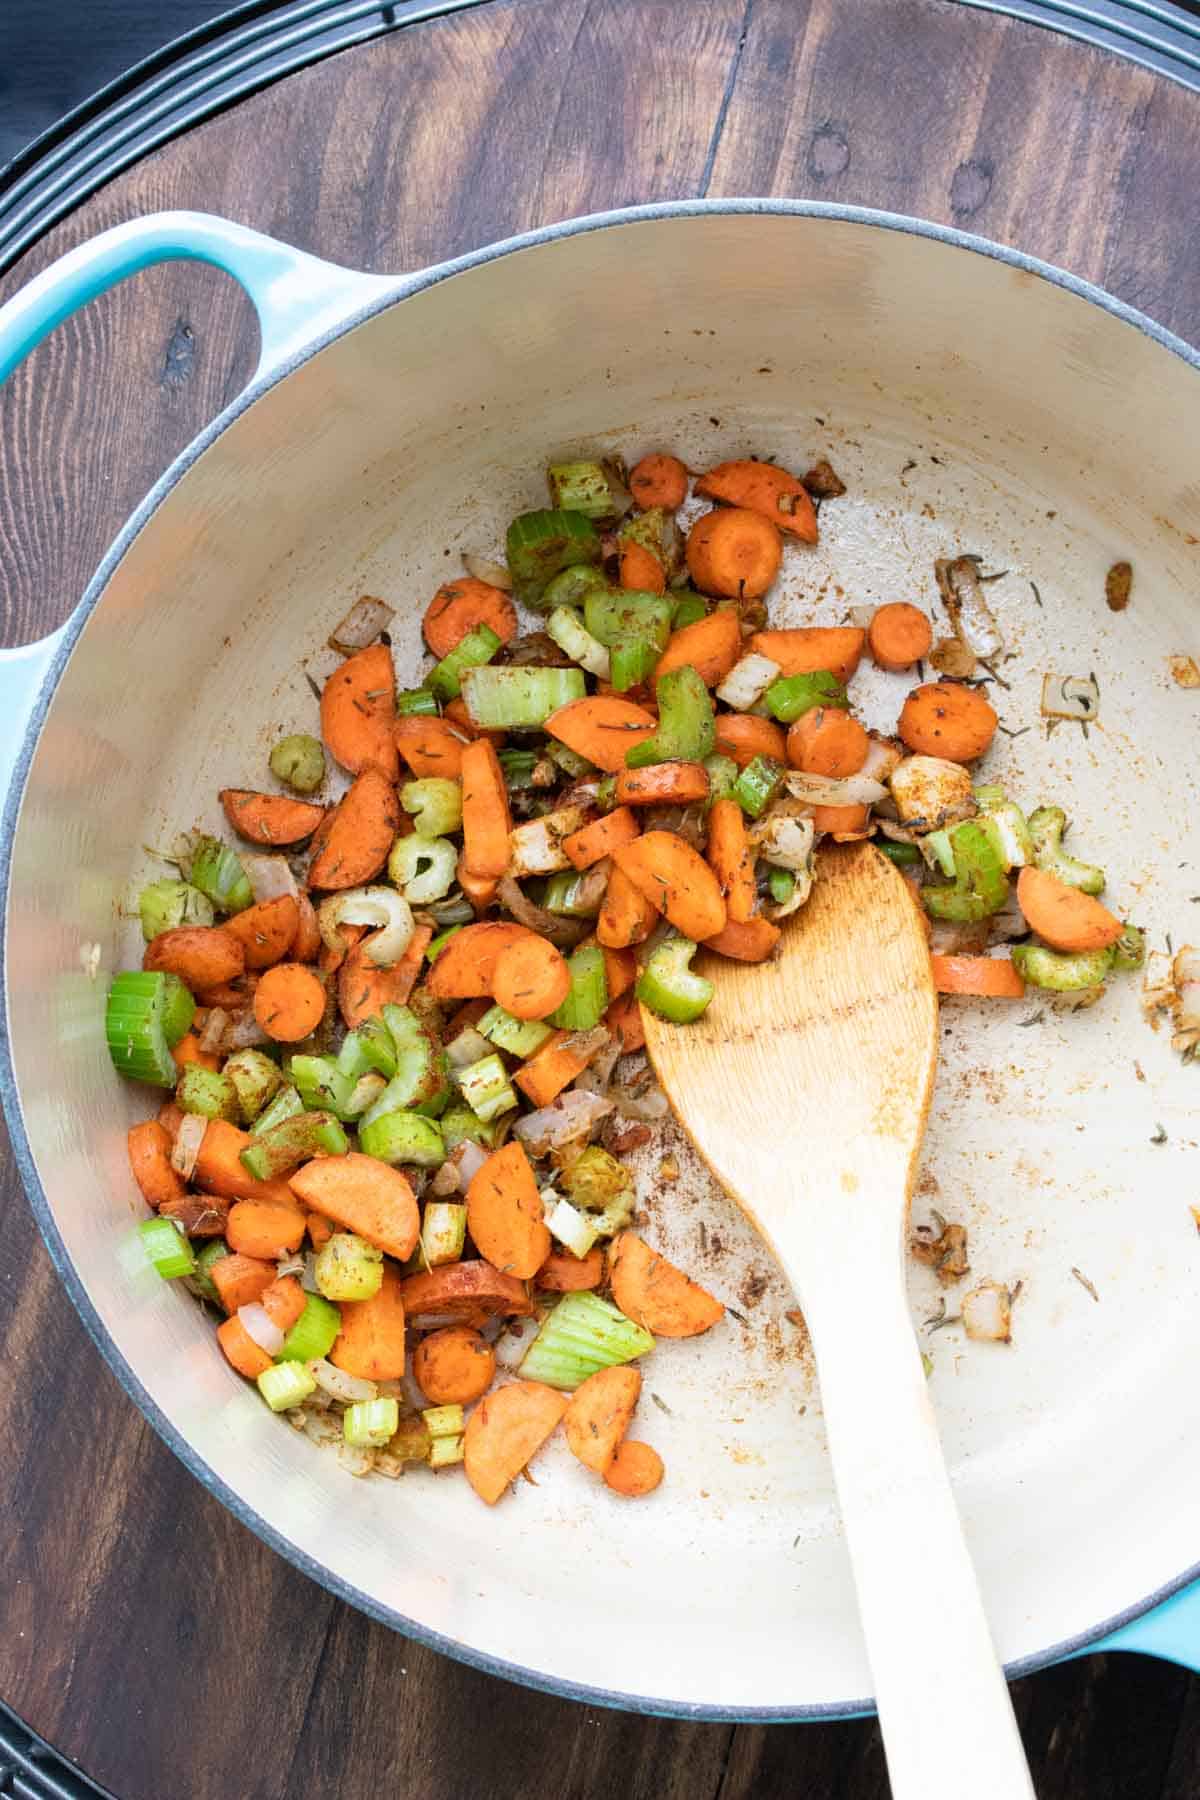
970, 403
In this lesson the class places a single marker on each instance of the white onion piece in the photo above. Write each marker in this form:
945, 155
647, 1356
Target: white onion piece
930, 792
362, 624
323, 1428
484, 569
512, 1346
824, 790
433, 1321
786, 842
882, 757
1187, 1007
289, 1264
355, 1461
571, 1116
748, 681
471, 1158
536, 848
470, 1046
214, 1030
242, 1033
574, 1230
308, 1275
446, 1181
337, 1383
259, 1325
1070, 697
987, 1313
381, 907
186, 1148
270, 877
970, 615
647, 1108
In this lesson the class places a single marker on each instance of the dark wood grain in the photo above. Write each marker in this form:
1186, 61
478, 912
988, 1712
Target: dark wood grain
141, 1629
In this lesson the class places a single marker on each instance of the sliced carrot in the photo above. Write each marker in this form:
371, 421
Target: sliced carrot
198, 1215
371, 1341
504, 1214
1065, 917
749, 940
466, 968
430, 747
562, 1273
599, 1415
306, 945
361, 832
270, 818
289, 1002
330, 959
743, 736
531, 978
654, 1293
203, 956
662, 784
457, 716
734, 552
640, 569
711, 646
827, 741
364, 988
149, 1148
505, 1431
547, 1073
365, 1196
806, 648
358, 713
472, 1289
453, 1366
241, 1351
626, 916
766, 489
731, 858
658, 480
624, 1016
283, 1302
990, 977
899, 635
635, 1470
480, 890
620, 971
320, 1230
188, 1050
241, 1280
486, 821
946, 719
460, 606
266, 932
599, 839
676, 880
843, 823
602, 729
264, 1228
219, 1168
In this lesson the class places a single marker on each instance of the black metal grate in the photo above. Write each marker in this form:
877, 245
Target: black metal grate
31, 1770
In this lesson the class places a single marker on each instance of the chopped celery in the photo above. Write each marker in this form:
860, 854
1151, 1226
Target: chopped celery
403, 1137
370, 1424
443, 1421
518, 767
980, 877
166, 1248
606, 793
580, 487
285, 1146
165, 905
202, 1281
321, 1084
572, 895
219, 874
781, 885
471, 652
1006, 825
420, 1082
286, 1104
486, 1088
445, 1451
438, 944
655, 531
285, 1385
435, 805
1046, 827
348, 1268
352, 1059
417, 703
146, 1014
376, 1047
616, 1215
722, 774
594, 1178
903, 854
585, 1004
758, 784
541, 544
520, 1037
568, 760
411, 1441
570, 585
632, 663
573, 638
423, 868
519, 698
669, 987
791, 696
443, 1232
313, 1334
256, 1079
615, 615
571, 1228
299, 762
459, 1125
688, 608
938, 846
581, 1334
686, 725
1129, 951
1062, 972
205, 1092
467, 1047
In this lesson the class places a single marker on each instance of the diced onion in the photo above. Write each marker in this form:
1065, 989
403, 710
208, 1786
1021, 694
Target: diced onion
930, 792
338, 1384
987, 1313
824, 790
950, 656
186, 1148
270, 877
214, 1030
1070, 697
242, 1032
308, 1277
970, 615
355, 1461
748, 681
471, 1158
648, 1107
484, 569
289, 1264
882, 757
470, 1046
259, 1325
362, 624
536, 848
573, 1115
382, 907
573, 1229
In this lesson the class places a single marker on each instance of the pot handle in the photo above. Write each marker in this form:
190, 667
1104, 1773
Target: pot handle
1171, 1632
297, 297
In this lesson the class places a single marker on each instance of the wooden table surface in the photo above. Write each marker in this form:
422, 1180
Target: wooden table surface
141, 1630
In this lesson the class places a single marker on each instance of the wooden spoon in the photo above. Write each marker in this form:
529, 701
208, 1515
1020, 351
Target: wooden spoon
805, 1087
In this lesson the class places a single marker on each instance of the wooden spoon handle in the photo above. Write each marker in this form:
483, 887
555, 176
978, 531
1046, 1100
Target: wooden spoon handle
944, 1706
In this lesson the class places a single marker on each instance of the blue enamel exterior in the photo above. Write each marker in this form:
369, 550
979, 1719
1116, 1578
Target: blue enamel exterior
303, 304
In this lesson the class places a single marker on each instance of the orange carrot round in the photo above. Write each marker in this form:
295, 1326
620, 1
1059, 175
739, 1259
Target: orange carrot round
676, 880
267, 931
562, 1273
203, 956
306, 945
600, 1414
270, 818
240, 1280
743, 736
430, 747
827, 741
361, 830
662, 784
602, 729
241, 1351
149, 1147
656, 1294
731, 858
467, 1288
767, 489
989, 977
711, 646
592, 842
635, 1469
505, 1431
371, 1342
365, 1196
531, 978
364, 988
659, 480
734, 553
358, 713
453, 1366
459, 606
1063, 916
840, 821
899, 635
946, 719
641, 570
804, 649
283, 1302
486, 820
750, 940
626, 916
289, 1002
504, 1214
466, 968
188, 1050
264, 1228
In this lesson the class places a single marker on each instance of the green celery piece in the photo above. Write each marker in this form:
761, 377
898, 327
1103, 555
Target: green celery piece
606, 793
202, 1281
217, 871
615, 615
519, 697
445, 1452
1046, 827
569, 632
423, 868
541, 544
286, 1104
486, 1088
1129, 951
1061, 972
562, 895
581, 487
459, 1125
348, 1268
688, 609
902, 854
443, 1421
669, 986
320, 1083
256, 1080
146, 1014
568, 760
584, 1006
632, 663
519, 1037
472, 651
285, 1385
722, 774
283, 1148
352, 1058
166, 905
370, 1424
518, 767
376, 1046
653, 529
758, 784
438, 944
435, 805
166, 1248
1008, 826
580, 1335
793, 695
403, 1137
686, 723
570, 585
314, 1332
205, 1092
594, 1179
980, 877
943, 850
299, 762
420, 1080
417, 703
781, 885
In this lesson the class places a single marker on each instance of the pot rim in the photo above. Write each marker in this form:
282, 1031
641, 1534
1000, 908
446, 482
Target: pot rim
405, 288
